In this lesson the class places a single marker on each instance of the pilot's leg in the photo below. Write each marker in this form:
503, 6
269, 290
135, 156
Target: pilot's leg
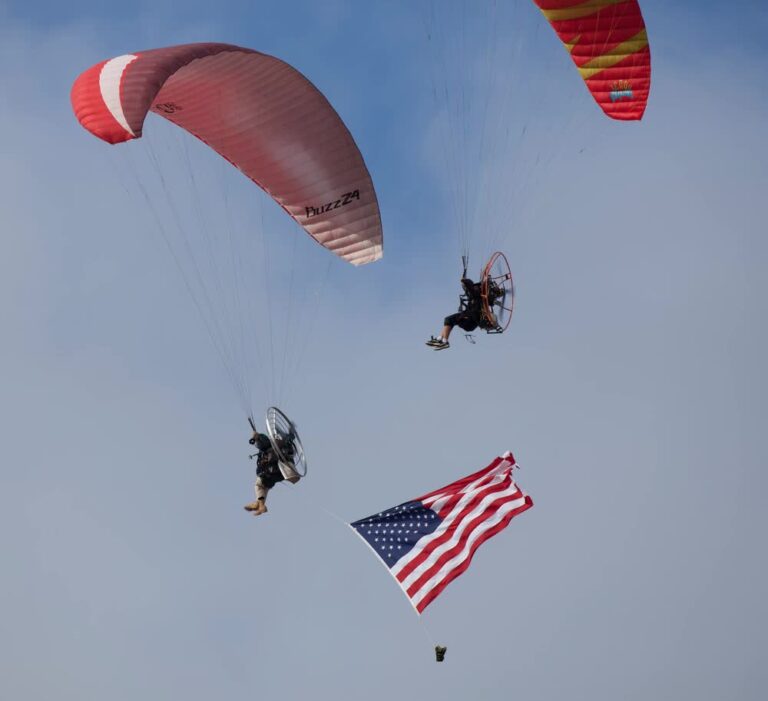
441, 342
259, 506
450, 322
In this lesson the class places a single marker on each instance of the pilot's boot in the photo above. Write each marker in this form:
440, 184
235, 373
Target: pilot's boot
257, 508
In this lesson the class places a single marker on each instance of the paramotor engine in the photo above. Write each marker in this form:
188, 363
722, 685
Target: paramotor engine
286, 443
498, 293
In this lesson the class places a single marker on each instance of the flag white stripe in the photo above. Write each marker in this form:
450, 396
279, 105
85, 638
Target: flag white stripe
442, 497
456, 561
488, 472
459, 535
446, 522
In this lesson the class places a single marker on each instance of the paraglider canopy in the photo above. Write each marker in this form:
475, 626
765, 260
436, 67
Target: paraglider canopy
259, 113
608, 43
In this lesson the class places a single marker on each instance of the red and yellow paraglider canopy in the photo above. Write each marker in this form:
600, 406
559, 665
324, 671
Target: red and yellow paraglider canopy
608, 43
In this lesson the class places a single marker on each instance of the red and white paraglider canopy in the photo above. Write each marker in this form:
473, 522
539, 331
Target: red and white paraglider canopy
260, 114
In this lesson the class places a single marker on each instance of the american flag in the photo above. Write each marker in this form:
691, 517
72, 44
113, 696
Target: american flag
429, 541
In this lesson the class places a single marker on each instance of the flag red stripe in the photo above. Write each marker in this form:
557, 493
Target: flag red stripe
464, 481
461, 568
448, 527
468, 526
427, 545
489, 480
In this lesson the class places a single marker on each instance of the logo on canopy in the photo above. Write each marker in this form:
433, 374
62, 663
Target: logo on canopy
168, 107
345, 199
621, 90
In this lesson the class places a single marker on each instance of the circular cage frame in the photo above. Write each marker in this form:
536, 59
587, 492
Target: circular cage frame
501, 278
279, 429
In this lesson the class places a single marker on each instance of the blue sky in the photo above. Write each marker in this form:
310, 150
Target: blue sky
630, 387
